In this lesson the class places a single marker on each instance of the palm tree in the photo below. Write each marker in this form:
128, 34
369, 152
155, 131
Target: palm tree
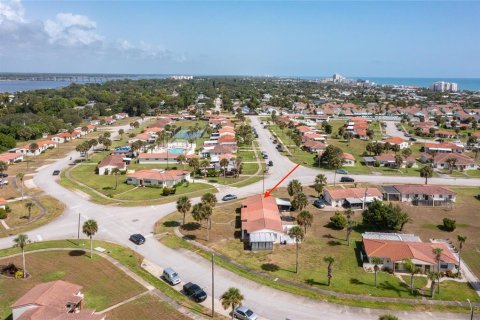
238, 166
116, 172
231, 298
438, 255
194, 163
210, 199
33, 147
204, 164
21, 241
183, 206
181, 159
320, 183
434, 277
21, 176
426, 172
461, 242
329, 260
89, 228
29, 205
294, 187
121, 132
297, 234
376, 266
305, 219
200, 212
224, 165
350, 223
412, 269
300, 201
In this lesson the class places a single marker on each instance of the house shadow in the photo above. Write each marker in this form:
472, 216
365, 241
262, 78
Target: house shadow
76, 253
171, 224
270, 267
191, 226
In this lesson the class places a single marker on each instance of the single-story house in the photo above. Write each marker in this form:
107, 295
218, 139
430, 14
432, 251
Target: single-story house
396, 141
109, 163
217, 150
315, 146
227, 140
42, 146
53, 300
261, 224
142, 137
11, 157
351, 197
394, 248
154, 177
462, 161
388, 160
444, 147
348, 159
62, 137
156, 158
427, 195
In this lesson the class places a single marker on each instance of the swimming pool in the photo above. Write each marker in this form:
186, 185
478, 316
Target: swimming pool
176, 150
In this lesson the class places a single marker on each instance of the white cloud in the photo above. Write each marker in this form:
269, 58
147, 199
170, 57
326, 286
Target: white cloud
11, 11
71, 29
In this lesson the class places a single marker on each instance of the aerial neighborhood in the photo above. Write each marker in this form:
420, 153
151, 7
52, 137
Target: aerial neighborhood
309, 187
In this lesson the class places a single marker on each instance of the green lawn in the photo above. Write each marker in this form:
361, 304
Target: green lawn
250, 168
247, 155
103, 284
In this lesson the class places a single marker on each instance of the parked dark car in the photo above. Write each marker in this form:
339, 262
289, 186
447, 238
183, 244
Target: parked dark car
56, 172
413, 139
137, 239
193, 291
270, 163
228, 197
265, 156
319, 203
3, 175
347, 179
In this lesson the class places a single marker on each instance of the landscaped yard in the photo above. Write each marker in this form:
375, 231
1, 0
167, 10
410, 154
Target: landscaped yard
148, 307
103, 284
348, 274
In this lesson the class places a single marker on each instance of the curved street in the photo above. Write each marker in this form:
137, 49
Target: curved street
117, 223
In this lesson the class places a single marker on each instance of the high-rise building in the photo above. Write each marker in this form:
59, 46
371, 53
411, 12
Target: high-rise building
442, 86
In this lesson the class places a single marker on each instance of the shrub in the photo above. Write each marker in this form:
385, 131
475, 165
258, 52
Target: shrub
3, 214
338, 221
450, 274
376, 163
387, 317
8, 209
173, 190
449, 224
168, 191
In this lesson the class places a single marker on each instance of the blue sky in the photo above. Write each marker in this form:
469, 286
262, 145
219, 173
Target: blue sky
409, 39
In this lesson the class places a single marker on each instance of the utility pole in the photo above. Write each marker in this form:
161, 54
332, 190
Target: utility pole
78, 231
365, 198
471, 309
263, 179
213, 286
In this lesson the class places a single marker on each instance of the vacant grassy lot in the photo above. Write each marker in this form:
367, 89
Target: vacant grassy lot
348, 274
147, 307
103, 284
19, 214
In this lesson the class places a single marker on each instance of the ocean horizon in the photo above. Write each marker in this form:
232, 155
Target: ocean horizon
470, 84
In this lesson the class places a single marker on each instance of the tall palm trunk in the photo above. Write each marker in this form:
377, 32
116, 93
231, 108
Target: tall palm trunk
23, 261
459, 260
208, 230
411, 283
375, 278
91, 247
296, 260
438, 281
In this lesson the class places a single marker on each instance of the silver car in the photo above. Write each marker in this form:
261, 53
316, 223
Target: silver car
244, 313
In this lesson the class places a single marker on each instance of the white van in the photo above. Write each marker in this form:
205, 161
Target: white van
171, 276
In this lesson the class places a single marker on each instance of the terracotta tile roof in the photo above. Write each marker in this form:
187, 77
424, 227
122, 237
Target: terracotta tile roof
394, 140
226, 138
400, 250
54, 294
348, 156
167, 175
443, 145
424, 189
460, 158
114, 161
41, 144
336, 194
304, 129
143, 136
315, 144
9, 156
260, 213
3, 201
154, 129
224, 149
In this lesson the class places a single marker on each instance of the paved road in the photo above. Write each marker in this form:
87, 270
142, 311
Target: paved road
117, 223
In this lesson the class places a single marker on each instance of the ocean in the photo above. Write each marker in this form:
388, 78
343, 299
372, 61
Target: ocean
472, 84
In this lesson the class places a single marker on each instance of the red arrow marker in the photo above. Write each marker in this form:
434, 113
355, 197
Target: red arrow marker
267, 193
